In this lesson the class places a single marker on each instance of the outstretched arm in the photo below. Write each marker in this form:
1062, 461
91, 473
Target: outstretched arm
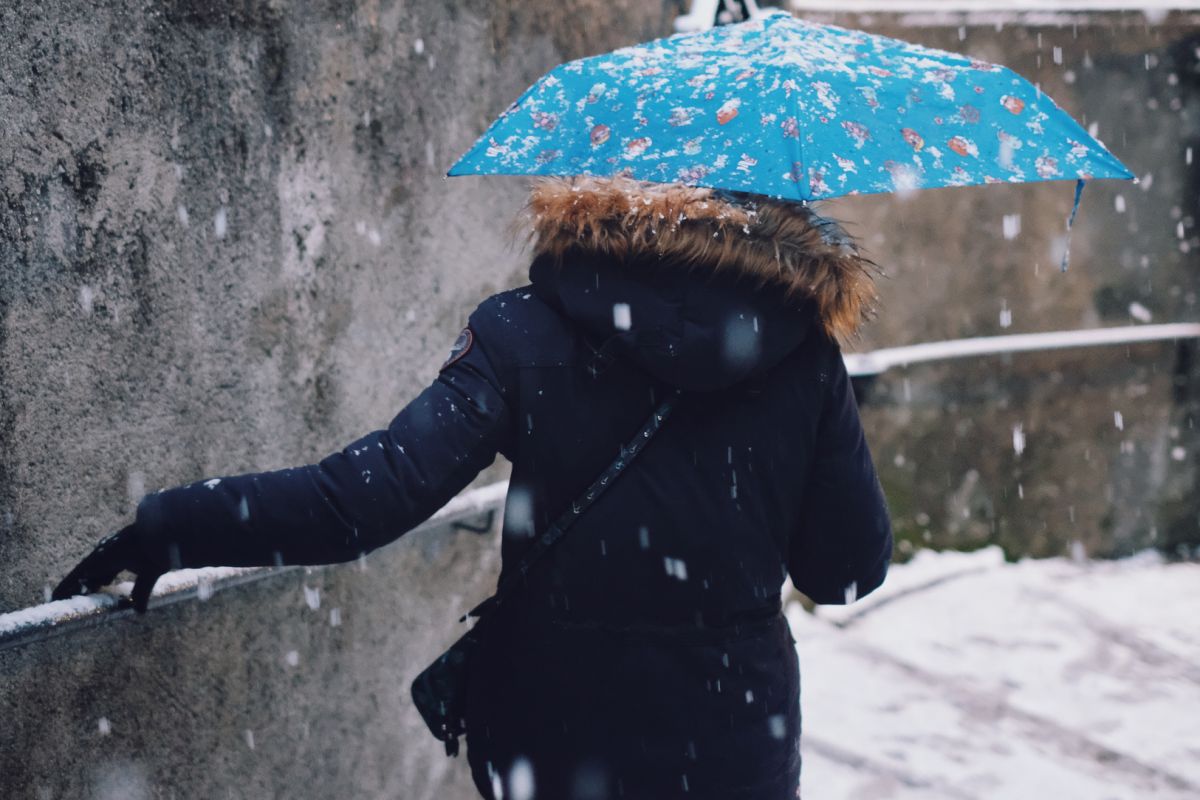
347, 504
844, 544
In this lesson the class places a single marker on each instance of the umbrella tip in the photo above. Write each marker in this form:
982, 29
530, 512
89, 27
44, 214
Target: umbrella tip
1079, 184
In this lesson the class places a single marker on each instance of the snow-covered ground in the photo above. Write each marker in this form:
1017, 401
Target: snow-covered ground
966, 677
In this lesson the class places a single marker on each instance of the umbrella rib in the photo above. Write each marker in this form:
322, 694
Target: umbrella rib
805, 190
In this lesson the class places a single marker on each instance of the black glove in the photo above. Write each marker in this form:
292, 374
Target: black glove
120, 551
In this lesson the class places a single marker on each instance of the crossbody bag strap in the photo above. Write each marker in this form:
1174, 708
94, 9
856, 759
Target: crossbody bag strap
556, 531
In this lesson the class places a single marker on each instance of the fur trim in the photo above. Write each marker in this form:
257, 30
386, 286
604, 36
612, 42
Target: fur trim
772, 241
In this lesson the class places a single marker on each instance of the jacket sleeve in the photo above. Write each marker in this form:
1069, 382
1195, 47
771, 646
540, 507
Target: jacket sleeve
844, 544
350, 502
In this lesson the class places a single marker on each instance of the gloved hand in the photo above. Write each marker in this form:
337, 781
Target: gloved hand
120, 551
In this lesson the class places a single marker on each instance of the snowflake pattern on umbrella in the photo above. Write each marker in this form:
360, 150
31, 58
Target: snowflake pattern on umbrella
791, 109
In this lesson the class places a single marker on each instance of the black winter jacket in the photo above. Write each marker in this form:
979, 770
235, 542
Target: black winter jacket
646, 655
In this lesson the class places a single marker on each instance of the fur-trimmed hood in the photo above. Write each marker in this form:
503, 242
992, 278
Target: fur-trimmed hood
772, 242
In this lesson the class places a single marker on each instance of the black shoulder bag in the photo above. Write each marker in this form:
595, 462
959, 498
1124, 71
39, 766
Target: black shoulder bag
439, 692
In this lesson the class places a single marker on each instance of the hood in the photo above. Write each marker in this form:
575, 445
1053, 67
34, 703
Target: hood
701, 289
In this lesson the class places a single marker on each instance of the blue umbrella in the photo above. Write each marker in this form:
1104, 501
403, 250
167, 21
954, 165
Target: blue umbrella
790, 109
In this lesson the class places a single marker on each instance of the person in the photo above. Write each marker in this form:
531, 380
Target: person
645, 655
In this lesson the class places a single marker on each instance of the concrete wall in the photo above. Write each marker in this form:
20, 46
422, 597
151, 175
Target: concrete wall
226, 245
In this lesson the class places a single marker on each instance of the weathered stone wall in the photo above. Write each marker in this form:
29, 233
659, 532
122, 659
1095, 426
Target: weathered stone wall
226, 245
943, 434
227, 240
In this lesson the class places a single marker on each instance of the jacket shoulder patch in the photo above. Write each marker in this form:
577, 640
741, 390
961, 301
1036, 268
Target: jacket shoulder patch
462, 346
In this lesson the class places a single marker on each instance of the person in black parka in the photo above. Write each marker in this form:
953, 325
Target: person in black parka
646, 655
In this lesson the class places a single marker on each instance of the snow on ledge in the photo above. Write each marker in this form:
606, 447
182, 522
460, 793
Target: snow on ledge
926, 569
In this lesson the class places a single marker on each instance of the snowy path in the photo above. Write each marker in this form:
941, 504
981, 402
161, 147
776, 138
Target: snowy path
965, 677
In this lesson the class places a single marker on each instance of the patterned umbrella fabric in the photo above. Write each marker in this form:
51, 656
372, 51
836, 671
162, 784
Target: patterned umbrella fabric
790, 109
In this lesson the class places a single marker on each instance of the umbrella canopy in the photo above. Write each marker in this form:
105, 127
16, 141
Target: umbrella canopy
790, 109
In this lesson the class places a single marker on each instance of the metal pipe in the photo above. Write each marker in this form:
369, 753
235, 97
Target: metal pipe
878, 361
62, 616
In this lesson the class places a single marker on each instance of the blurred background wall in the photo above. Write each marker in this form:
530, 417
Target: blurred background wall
225, 245
1081, 452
